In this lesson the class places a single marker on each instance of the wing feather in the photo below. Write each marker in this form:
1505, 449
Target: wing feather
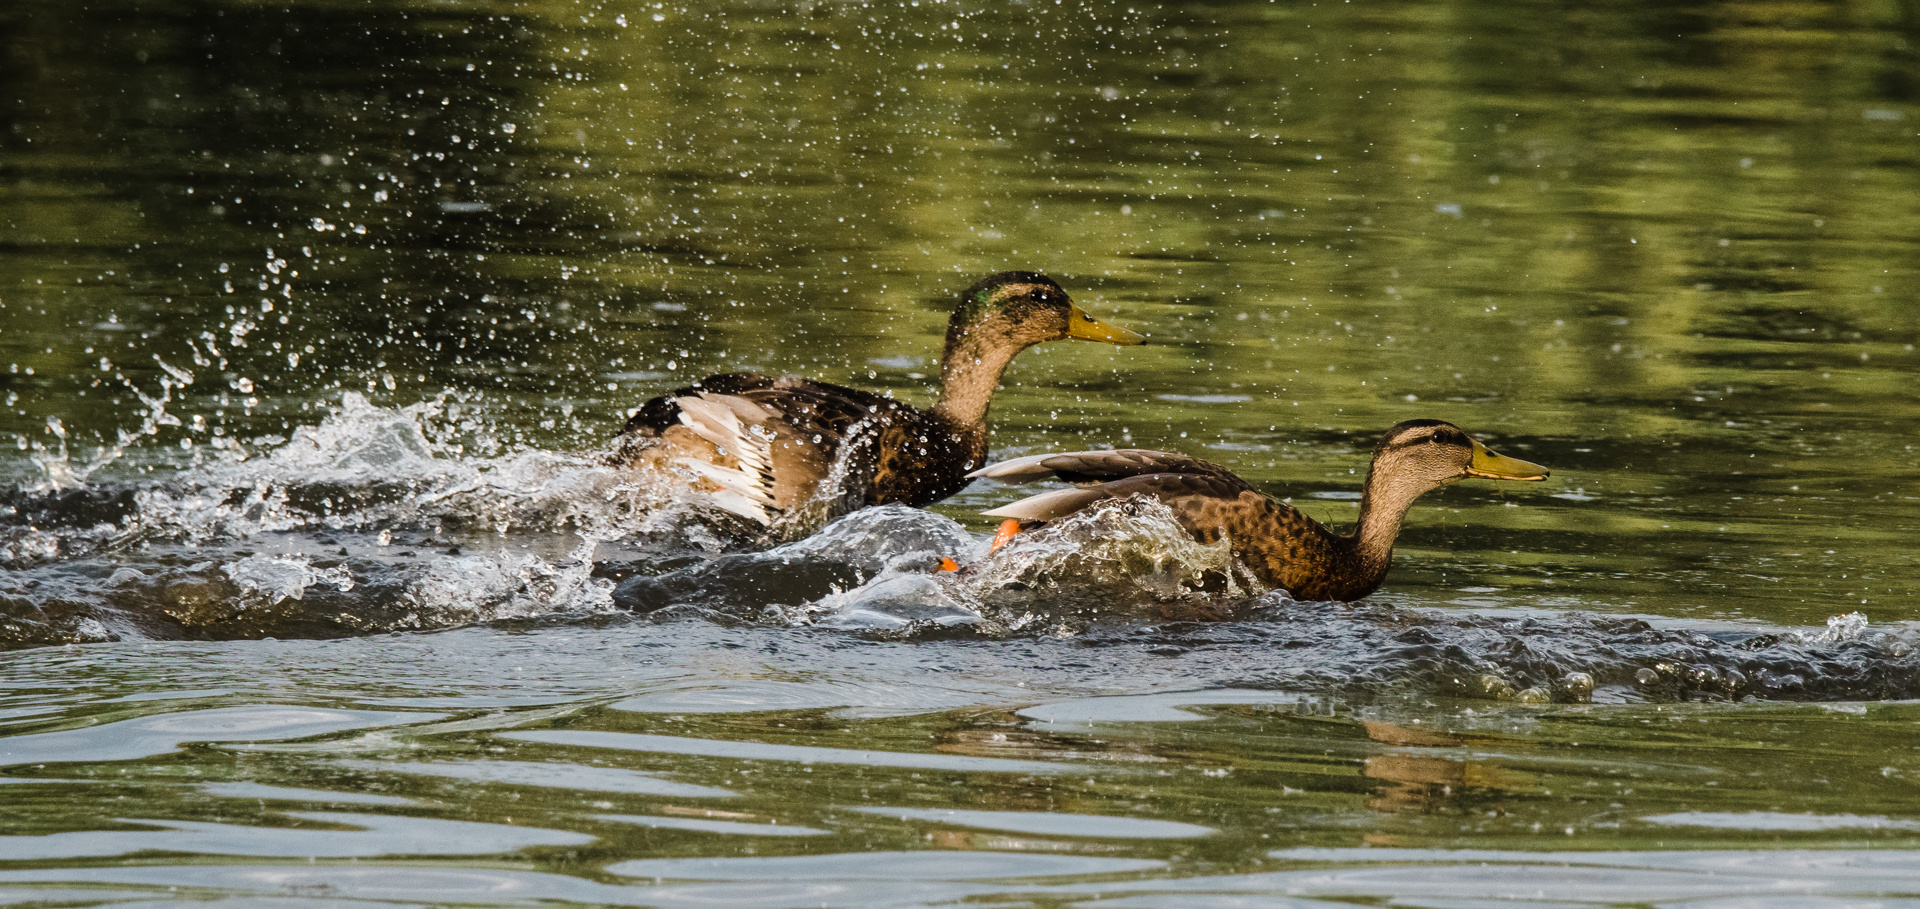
1173, 488
737, 427
775, 440
1050, 506
1102, 466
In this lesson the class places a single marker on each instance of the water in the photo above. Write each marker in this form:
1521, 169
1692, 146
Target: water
316, 321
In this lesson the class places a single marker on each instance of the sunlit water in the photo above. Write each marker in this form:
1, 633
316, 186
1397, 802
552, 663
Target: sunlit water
316, 585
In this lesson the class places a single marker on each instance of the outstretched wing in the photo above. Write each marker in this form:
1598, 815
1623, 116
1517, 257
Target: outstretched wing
1086, 468
1186, 492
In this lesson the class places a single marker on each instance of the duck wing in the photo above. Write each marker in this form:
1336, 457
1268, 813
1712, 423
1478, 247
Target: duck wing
1100, 475
741, 461
1086, 468
765, 444
1192, 496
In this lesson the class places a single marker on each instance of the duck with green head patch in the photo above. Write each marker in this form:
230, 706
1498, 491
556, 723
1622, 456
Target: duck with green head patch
767, 446
1281, 546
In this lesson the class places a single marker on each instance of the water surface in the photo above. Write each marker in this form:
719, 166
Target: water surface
315, 321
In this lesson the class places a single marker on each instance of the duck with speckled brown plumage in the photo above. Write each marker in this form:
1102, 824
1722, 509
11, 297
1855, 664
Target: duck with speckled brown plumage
766, 447
1281, 546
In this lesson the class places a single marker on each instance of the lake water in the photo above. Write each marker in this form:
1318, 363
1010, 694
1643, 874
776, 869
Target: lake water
316, 320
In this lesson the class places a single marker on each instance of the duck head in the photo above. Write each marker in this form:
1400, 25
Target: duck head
1018, 309
1420, 455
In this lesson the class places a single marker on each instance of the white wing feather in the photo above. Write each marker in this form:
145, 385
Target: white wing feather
747, 490
1017, 470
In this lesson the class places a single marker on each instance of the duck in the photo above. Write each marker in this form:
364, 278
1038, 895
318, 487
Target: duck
766, 447
1280, 546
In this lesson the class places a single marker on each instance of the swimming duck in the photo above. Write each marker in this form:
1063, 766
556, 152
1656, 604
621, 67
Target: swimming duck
1281, 546
766, 445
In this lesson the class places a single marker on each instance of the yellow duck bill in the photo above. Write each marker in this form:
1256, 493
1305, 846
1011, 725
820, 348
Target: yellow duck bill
1492, 465
1083, 327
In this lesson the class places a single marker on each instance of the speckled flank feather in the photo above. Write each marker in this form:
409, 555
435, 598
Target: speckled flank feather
765, 445
1283, 547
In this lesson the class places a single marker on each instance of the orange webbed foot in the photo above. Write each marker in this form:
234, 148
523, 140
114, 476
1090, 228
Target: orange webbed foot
1008, 528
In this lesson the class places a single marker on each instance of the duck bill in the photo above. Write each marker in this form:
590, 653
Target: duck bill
1491, 465
1087, 328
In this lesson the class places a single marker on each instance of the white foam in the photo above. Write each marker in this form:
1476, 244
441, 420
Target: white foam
278, 578
1135, 539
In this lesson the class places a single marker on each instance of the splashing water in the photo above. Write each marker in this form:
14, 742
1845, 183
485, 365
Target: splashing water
1126, 556
380, 519
278, 578
57, 468
791, 583
371, 520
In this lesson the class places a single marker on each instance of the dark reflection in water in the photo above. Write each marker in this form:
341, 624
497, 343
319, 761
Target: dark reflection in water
273, 194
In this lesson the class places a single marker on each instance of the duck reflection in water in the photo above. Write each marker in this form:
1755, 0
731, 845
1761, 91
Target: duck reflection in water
1410, 781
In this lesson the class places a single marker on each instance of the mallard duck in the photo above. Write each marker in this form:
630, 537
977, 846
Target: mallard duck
766, 445
1281, 546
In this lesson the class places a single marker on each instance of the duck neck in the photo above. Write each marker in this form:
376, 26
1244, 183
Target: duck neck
969, 373
1383, 506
